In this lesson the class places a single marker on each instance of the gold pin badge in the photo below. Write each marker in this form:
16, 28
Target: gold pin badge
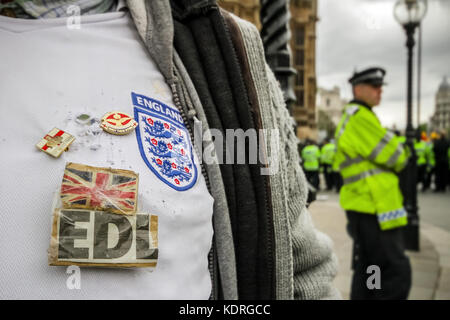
118, 123
55, 142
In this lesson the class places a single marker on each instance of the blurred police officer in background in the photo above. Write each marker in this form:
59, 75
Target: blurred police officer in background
369, 158
421, 149
440, 150
311, 157
327, 153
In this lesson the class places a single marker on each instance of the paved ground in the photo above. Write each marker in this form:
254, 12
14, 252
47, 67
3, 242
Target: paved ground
430, 266
434, 208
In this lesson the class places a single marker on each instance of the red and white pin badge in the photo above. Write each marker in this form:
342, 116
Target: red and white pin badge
118, 123
55, 142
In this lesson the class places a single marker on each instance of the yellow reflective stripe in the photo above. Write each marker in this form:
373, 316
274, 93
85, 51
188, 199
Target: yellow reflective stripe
420, 149
349, 111
380, 146
363, 175
341, 131
350, 161
393, 159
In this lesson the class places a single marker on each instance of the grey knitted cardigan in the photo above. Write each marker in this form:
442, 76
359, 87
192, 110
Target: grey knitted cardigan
305, 263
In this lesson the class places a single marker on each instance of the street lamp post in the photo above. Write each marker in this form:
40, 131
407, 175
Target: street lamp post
409, 13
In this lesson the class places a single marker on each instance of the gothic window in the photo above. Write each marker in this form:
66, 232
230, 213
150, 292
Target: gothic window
300, 97
300, 35
299, 57
299, 78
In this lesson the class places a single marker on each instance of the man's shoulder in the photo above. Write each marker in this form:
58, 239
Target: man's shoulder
361, 119
352, 108
359, 112
248, 31
241, 22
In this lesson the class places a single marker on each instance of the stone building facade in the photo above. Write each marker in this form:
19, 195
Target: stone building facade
330, 102
441, 117
246, 9
303, 47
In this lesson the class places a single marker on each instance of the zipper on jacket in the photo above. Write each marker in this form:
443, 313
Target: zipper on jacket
271, 254
175, 87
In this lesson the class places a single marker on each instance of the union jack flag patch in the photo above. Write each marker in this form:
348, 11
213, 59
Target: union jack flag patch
94, 188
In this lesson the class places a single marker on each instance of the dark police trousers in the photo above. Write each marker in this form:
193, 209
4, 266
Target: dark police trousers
329, 176
313, 178
384, 249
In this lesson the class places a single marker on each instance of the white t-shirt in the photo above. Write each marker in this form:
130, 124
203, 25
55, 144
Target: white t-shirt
50, 75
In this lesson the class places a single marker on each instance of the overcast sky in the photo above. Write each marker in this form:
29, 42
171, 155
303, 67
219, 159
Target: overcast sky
360, 33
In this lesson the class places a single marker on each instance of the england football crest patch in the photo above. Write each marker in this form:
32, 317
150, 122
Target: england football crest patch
164, 142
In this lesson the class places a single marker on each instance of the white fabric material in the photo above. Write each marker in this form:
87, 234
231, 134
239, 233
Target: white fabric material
49, 75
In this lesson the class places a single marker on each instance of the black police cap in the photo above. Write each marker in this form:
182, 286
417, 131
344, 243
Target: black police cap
373, 76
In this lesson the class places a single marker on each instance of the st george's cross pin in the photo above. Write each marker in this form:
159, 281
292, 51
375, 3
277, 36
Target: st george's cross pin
55, 142
118, 123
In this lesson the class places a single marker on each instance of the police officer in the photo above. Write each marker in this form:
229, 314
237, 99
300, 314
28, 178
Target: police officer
431, 163
421, 152
368, 157
327, 153
440, 150
311, 157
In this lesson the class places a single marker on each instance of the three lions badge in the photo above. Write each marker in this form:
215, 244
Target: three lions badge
164, 142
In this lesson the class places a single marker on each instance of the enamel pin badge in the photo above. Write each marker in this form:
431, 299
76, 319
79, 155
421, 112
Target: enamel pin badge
55, 142
118, 123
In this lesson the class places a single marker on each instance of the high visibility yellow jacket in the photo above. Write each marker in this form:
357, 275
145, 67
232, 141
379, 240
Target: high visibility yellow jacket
421, 152
311, 156
368, 157
327, 153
